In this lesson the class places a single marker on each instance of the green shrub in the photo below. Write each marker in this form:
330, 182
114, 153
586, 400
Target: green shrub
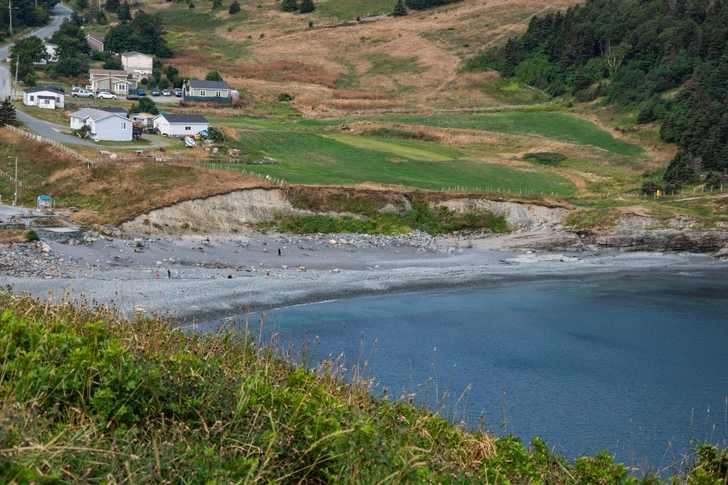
31, 236
545, 158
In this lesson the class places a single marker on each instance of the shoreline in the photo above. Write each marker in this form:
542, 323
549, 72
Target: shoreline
223, 276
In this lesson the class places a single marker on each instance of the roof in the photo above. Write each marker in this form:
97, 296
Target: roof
184, 118
110, 109
94, 114
145, 115
44, 197
40, 89
108, 72
135, 53
46, 97
89, 36
208, 84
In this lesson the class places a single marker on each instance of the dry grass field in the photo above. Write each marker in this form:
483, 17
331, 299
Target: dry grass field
411, 61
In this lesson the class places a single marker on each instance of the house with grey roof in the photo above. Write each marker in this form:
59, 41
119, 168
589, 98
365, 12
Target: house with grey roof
206, 91
44, 97
103, 125
180, 125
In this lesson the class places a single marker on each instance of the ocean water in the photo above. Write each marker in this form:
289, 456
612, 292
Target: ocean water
635, 365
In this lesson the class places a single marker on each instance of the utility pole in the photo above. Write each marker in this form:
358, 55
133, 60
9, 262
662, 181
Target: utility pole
10, 10
15, 89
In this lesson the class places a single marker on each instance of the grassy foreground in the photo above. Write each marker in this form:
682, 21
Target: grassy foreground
87, 397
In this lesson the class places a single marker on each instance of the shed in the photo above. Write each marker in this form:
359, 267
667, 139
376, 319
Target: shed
180, 125
44, 202
95, 43
44, 97
137, 64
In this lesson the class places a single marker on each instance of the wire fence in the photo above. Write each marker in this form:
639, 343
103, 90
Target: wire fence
53, 143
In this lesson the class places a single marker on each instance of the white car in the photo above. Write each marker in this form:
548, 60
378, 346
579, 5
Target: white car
107, 95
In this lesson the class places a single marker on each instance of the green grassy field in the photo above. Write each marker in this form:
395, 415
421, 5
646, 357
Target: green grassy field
554, 126
308, 158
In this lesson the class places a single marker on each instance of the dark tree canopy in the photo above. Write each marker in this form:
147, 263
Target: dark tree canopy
399, 9
307, 6
143, 34
145, 105
73, 50
289, 5
23, 54
213, 76
234, 7
630, 53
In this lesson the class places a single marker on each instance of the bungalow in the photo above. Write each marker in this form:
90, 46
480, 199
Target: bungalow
117, 82
44, 97
103, 125
138, 65
180, 125
96, 44
206, 91
50, 55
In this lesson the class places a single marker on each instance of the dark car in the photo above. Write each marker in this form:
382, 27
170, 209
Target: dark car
57, 88
132, 97
141, 92
155, 92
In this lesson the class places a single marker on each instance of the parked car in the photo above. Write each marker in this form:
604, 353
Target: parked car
82, 93
166, 92
178, 92
76, 89
57, 88
155, 92
107, 95
132, 97
141, 92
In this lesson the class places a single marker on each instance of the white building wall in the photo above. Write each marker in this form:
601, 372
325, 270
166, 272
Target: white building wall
187, 128
112, 128
31, 99
77, 123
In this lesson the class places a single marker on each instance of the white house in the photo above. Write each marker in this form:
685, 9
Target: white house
180, 125
44, 97
103, 125
51, 55
138, 65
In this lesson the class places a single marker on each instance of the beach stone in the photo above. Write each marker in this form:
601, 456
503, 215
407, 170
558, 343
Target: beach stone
285, 266
335, 270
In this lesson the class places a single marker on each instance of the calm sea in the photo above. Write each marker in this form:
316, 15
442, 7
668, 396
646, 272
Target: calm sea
636, 365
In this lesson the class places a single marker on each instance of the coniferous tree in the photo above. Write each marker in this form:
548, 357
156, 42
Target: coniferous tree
234, 7
216, 4
399, 9
289, 5
112, 5
307, 6
7, 112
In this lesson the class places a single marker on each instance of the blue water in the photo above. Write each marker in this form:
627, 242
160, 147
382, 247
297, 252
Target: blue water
638, 366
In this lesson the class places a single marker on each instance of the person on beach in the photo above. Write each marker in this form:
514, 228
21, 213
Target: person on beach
279, 252
169, 274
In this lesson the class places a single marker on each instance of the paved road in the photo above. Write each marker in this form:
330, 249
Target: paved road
60, 13
49, 130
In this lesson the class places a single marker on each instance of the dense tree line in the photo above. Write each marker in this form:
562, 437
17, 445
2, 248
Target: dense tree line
144, 33
28, 13
72, 51
632, 54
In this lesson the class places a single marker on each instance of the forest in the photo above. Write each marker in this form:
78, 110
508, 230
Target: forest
26, 13
666, 58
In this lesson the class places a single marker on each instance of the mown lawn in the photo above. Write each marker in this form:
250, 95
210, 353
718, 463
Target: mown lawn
554, 126
307, 158
352, 9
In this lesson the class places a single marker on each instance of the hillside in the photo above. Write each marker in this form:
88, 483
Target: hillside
85, 396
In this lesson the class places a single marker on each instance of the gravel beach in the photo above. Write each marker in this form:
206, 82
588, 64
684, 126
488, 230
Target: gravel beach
199, 278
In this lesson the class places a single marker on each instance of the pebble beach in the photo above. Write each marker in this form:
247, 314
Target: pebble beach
192, 278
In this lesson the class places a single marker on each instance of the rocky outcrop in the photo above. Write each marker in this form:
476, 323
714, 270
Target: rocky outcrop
663, 240
517, 215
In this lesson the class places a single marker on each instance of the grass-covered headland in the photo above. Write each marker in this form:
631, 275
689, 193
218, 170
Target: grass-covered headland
88, 397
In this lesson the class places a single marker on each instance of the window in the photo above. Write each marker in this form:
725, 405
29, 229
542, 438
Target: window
202, 93
46, 101
123, 126
188, 128
32, 99
217, 94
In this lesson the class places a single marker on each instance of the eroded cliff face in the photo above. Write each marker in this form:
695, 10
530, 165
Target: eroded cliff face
220, 214
517, 216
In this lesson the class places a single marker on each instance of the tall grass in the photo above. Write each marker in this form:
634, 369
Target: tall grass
87, 396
